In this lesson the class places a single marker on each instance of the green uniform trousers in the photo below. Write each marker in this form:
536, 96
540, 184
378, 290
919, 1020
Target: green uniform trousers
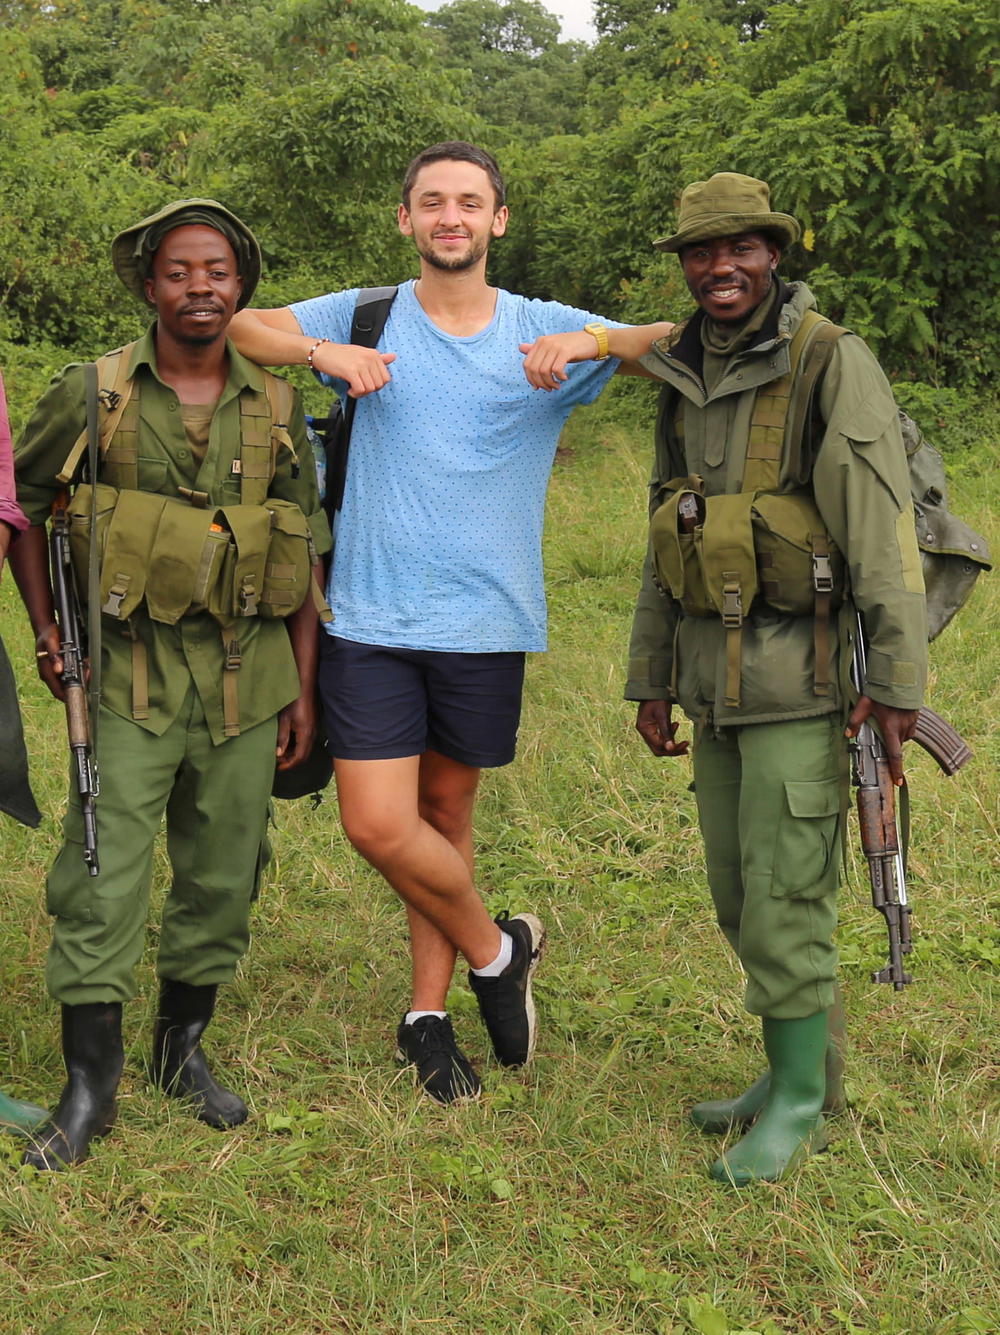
769, 804
216, 800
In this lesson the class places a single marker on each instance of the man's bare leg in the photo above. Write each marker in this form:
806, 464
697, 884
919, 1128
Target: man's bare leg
446, 800
380, 808
412, 820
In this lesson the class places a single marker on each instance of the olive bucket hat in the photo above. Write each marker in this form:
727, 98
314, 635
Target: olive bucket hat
132, 251
726, 205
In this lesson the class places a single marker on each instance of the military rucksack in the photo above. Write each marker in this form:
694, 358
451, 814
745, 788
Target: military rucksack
952, 554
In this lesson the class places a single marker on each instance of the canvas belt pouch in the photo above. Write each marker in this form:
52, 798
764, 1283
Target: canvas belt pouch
730, 566
239, 592
289, 563
676, 531
78, 511
234, 561
796, 557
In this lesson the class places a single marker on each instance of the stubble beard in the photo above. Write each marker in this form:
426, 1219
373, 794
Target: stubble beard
453, 263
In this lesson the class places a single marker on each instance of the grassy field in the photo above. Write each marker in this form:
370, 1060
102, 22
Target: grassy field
574, 1197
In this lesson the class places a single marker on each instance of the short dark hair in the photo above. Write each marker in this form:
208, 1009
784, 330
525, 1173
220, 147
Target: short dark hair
456, 150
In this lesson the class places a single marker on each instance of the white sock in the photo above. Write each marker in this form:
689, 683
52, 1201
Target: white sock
504, 957
413, 1016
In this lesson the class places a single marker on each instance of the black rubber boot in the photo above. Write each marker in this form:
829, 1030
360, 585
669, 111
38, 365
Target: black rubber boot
93, 1053
179, 1065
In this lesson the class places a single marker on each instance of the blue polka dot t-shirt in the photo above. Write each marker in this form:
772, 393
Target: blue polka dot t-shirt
439, 542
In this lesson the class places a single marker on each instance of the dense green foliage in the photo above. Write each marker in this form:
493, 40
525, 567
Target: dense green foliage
875, 120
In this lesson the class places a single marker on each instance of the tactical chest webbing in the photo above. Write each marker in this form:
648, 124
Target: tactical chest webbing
264, 420
720, 563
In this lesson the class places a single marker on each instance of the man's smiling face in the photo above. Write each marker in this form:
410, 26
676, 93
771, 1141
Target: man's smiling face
453, 214
194, 285
730, 276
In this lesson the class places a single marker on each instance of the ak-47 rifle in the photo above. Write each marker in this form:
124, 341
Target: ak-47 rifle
876, 800
73, 677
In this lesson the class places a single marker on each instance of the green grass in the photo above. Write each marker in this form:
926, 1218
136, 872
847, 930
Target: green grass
574, 1197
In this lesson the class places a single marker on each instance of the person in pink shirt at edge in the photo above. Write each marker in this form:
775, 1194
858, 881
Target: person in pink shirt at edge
15, 793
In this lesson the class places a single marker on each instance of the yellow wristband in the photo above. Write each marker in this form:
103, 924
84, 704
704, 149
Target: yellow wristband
601, 335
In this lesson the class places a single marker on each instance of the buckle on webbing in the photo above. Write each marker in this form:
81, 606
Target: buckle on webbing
822, 573
732, 601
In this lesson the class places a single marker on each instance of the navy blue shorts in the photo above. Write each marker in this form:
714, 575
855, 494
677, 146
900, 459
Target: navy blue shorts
383, 703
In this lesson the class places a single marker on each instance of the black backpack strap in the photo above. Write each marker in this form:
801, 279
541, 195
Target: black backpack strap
371, 310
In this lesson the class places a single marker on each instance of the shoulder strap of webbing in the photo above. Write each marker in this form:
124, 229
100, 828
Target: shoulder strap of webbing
114, 391
817, 346
264, 432
280, 399
769, 438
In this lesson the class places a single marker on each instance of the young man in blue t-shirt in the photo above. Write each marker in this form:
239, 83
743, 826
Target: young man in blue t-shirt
436, 579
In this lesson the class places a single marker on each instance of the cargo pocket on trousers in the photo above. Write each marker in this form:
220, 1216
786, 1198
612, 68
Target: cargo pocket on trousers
806, 855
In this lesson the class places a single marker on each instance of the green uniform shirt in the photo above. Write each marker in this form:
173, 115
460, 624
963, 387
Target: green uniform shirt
192, 650
861, 488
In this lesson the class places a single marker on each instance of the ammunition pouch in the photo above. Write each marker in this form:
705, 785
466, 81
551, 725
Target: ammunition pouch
178, 559
796, 557
729, 554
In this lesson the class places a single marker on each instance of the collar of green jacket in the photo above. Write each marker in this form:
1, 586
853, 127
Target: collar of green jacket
241, 374
684, 343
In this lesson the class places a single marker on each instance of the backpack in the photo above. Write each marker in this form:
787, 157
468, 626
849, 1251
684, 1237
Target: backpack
371, 310
952, 554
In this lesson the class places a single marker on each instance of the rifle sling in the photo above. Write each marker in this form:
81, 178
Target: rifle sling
93, 568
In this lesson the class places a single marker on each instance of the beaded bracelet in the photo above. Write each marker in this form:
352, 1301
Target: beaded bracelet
309, 355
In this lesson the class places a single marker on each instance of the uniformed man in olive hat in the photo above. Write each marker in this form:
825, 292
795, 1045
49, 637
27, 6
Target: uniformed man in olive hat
208, 646
780, 494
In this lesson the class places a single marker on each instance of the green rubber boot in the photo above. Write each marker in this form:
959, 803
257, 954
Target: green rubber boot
718, 1117
18, 1118
790, 1125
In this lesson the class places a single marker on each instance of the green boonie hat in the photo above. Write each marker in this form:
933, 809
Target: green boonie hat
132, 251
726, 205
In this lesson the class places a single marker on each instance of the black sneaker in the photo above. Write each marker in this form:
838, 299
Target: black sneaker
443, 1071
505, 1002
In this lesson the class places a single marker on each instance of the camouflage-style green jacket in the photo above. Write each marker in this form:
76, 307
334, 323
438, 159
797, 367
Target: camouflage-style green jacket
861, 488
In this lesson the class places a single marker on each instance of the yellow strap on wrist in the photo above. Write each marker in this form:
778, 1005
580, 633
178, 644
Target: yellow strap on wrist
601, 335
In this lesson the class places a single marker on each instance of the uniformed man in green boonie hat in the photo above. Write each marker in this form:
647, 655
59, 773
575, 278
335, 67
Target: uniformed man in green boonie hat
780, 496
210, 527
